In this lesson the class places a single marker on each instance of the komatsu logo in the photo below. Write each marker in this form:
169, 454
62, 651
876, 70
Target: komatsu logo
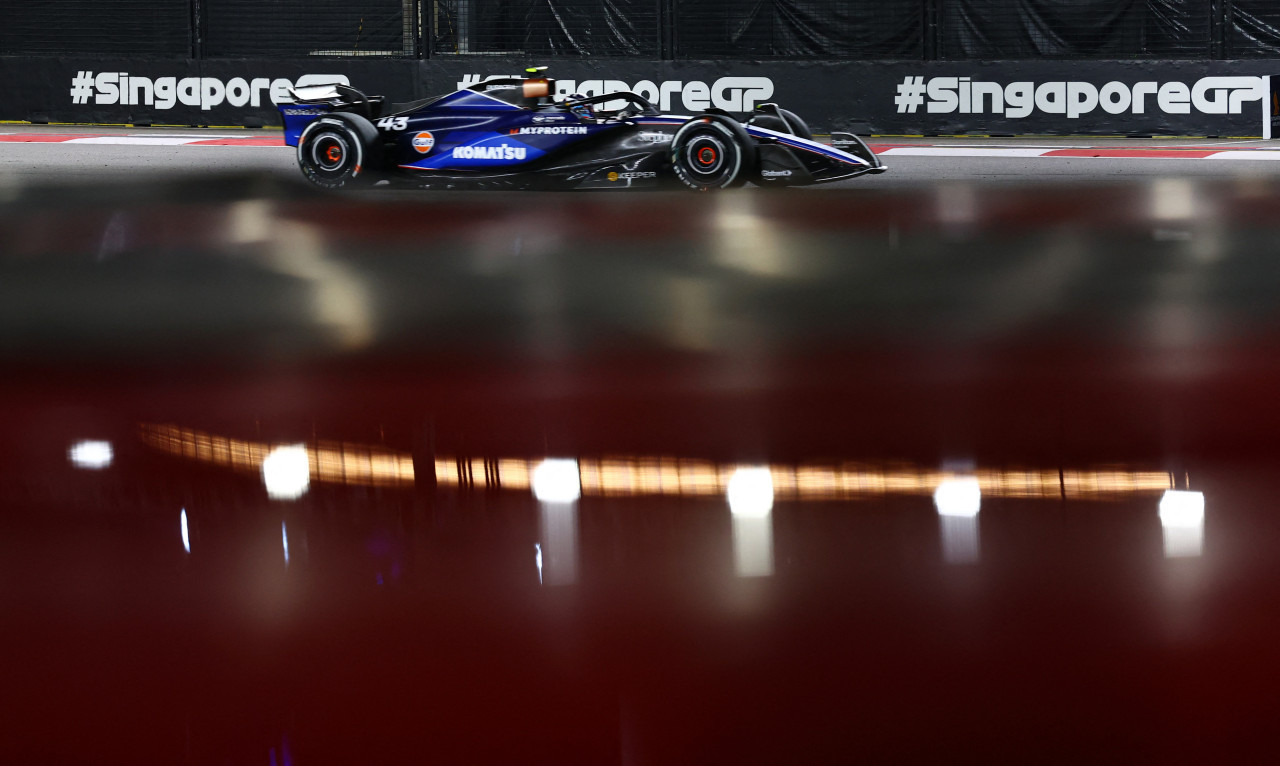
944, 95
498, 152
555, 130
733, 94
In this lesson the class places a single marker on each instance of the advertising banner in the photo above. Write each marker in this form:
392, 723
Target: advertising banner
1214, 98
180, 91
1220, 98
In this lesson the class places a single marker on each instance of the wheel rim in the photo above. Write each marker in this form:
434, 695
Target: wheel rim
708, 158
329, 152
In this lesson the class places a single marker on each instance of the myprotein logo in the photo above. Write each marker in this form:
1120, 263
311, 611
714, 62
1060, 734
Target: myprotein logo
106, 88
733, 94
554, 130
963, 95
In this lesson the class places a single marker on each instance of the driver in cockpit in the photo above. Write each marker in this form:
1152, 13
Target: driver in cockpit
583, 112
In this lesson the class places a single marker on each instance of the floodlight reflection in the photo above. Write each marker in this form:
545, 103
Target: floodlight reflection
958, 501
1182, 522
557, 486
91, 455
286, 472
750, 496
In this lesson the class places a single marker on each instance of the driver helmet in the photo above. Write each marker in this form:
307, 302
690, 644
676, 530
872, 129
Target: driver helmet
581, 111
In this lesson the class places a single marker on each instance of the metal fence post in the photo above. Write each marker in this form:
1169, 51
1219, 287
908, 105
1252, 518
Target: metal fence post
930, 13
426, 32
666, 29
1217, 29
197, 30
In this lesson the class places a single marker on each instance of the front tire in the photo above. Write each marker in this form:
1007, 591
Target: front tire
333, 154
712, 152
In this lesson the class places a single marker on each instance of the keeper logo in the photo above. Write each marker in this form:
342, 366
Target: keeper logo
733, 94
106, 88
963, 95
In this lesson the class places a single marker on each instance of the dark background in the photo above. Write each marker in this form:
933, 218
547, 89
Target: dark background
836, 62
663, 29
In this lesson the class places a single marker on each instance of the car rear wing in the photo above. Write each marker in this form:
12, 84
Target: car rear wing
315, 94
339, 97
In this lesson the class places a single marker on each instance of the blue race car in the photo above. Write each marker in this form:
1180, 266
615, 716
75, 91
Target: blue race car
509, 133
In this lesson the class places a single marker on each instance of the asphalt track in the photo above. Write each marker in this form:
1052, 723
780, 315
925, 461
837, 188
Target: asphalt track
38, 155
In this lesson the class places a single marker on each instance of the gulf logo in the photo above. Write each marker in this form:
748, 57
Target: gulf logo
423, 142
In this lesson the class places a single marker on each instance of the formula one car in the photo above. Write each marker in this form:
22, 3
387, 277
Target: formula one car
509, 133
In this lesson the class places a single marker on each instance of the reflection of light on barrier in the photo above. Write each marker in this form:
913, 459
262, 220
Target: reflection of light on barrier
341, 297
750, 492
284, 541
557, 486
958, 497
684, 477
958, 501
558, 551
556, 481
186, 535
91, 455
743, 241
1182, 521
1172, 199
328, 462
957, 203
287, 473
750, 495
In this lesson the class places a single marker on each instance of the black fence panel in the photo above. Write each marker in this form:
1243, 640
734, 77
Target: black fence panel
1102, 29
91, 27
543, 28
532, 31
254, 28
1254, 28
846, 29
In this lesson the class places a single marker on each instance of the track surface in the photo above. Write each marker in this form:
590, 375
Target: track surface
28, 156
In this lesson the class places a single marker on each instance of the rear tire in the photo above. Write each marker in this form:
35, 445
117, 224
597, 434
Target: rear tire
333, 154
712, 152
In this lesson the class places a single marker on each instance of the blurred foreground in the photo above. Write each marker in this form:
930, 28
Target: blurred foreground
836, 475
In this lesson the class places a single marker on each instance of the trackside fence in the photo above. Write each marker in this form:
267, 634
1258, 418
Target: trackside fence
666, 30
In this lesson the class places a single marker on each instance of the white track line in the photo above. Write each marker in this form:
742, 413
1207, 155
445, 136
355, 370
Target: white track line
135, 140
1245, 154
961, 151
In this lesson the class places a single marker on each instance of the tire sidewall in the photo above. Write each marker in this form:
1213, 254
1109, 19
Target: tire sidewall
351, 172
732, 139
